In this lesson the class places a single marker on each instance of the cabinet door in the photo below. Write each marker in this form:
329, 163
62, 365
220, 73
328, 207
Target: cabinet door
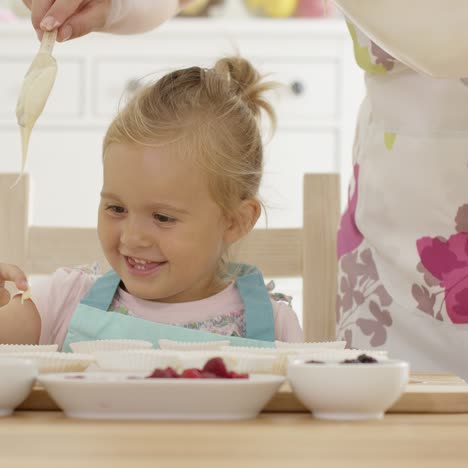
117, 79
309, 88
66, 100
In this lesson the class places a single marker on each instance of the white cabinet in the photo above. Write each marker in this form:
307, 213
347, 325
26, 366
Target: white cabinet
316, 107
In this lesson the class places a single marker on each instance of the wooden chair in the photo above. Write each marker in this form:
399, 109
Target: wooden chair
308, 252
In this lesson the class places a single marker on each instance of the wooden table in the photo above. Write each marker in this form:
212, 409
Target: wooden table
48, 439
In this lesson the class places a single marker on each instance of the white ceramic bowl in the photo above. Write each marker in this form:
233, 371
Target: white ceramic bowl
17, 377
348, 391
130, 396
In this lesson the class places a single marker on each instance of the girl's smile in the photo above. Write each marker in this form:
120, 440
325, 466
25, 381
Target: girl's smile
139, 267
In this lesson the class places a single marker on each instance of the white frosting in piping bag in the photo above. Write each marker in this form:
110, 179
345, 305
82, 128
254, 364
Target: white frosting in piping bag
35, 91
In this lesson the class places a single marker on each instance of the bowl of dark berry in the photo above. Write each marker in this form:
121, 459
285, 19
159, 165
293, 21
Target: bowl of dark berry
349, 386
211, 392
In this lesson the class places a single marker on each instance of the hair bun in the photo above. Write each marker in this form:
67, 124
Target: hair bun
247, 83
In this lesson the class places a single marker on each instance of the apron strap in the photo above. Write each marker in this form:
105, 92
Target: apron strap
102, 292
259, 318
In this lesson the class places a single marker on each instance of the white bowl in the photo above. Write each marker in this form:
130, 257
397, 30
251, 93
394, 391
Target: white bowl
57, 362
17, 377
348, 391
120, 396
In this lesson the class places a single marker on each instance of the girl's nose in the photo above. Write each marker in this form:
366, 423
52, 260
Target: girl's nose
135, 234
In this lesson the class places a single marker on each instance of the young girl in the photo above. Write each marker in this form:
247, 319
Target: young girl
182, 168
403, 241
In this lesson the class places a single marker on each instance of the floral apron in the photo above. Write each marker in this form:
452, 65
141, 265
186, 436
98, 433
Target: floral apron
403, 240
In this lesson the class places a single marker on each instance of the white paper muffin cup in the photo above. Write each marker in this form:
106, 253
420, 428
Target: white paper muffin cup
280, 364
57, 362
143, 360
90, 347
22, 348
197, 345
311, 345
256, 364
251, 350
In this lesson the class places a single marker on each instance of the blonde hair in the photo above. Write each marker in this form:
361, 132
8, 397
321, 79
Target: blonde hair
211, 115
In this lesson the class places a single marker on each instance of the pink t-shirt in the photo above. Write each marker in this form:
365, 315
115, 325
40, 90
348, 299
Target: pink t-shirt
57, 296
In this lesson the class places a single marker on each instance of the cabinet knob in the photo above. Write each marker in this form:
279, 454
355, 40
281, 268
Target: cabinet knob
297, 87
132, 85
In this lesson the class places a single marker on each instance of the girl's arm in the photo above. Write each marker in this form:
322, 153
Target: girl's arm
429, 36
19, 323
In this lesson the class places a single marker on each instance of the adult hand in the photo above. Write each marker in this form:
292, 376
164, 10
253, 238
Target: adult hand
11, 273
72, 18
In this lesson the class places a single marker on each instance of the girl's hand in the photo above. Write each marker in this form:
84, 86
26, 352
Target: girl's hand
72, 18
14, 274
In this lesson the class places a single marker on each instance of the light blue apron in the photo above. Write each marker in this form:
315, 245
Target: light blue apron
92, 321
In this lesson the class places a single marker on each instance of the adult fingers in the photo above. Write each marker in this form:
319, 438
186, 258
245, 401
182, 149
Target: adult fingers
58, 12
38, 9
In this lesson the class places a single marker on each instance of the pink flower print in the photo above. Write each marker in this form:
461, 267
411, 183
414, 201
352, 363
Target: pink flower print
369, 269
438, 256
426, 300
429, 279
460, 303
350, 294
348, 336
349, 236
361, 292
376, 326
447, 260
384, 297
461, 219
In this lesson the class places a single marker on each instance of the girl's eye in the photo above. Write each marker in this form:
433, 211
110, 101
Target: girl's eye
163, 219
115, 209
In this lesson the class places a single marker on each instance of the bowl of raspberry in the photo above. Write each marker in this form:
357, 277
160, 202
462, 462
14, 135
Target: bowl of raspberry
212, 392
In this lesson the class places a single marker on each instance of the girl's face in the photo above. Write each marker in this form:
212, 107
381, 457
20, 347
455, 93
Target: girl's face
159, 228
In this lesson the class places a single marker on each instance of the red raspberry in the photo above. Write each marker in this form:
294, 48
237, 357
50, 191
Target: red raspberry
216, 366
191, 374
170, 372
208, 375
157, 374
167, 373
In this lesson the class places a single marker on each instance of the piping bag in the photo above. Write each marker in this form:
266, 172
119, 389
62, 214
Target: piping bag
35, 91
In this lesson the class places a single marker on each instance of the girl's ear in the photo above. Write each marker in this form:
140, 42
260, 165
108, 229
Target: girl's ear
240, 223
